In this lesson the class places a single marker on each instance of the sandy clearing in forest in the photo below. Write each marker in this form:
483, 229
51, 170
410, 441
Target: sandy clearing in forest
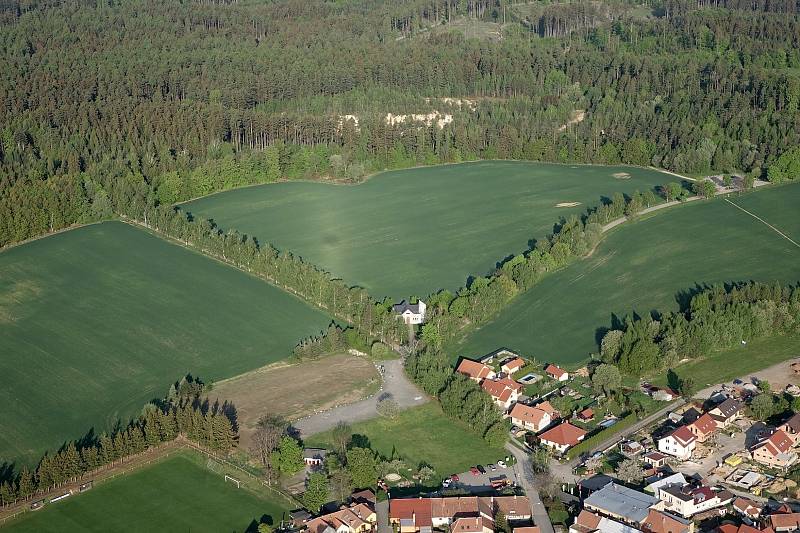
568, 204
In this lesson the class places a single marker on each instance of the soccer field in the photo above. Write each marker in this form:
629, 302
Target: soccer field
97, 321
412, 232
175, 494
646, 266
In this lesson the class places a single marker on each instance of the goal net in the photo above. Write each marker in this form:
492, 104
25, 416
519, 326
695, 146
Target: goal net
214, 466
232, 480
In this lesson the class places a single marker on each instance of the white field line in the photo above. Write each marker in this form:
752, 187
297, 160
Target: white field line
673, 173
776, 230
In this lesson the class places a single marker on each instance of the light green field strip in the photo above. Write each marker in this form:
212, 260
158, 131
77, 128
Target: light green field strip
645, 266
97, 321
411, 232
176, 494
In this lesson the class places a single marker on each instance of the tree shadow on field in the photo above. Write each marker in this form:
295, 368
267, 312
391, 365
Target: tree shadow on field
252, 527
599, 333
7, 472
684, 297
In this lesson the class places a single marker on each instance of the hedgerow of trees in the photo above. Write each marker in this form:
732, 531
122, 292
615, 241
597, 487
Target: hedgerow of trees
184, 411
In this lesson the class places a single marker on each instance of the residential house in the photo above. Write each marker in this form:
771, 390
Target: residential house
530, 418
410, 313
558, 374
463, 514
505, 392
314, 457
588, 522
674, 479
358, 518
510, 366
562, 437
726, 412
661, 522
548, 408
663, 394
703, 428
679, 443
474, 370
785, 522
655, 459
749, 509
792, 428
621, 503
775, 451
688, 500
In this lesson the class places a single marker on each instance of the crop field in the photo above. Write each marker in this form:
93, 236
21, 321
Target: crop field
411, 232
645, 266
423, 435
97, 321
176, 494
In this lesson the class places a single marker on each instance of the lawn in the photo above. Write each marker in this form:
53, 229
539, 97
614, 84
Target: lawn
97, 321
423, 435
412, 232
645, 266
176, 494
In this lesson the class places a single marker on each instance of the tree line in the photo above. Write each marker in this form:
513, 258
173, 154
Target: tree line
715, 318
183, 412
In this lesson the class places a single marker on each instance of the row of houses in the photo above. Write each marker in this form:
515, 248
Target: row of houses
460, 514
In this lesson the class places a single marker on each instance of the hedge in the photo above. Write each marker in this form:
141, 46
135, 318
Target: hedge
599, 437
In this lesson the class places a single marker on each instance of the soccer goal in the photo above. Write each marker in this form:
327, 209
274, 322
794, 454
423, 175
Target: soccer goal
214, 466
233, 480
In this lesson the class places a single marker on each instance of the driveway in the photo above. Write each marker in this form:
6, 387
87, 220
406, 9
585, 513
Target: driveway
524, 474
395, 383
482, 484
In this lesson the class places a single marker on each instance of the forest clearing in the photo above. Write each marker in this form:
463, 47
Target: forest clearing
412, 232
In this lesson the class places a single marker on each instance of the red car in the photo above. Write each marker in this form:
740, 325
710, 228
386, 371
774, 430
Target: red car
475, 471
454, 477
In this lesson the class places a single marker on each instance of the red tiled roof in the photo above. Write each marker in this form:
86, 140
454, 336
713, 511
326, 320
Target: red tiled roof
527, 529
547, 407
588, 519
417, 508
473, 369
785, 520
586, 414
658, 522
554, 371
515, 363
777, 443
705, 425
531, 415
731, 528
683, 435
564, 434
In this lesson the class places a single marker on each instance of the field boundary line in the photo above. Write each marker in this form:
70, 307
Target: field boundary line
773, 228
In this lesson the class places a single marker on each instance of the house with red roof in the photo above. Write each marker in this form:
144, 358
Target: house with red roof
460, 514
510, 366
742, 528
785, 521
562, 437
792, 428
688, 500
586, 415
775, 451
703, 428
558, 374
679, 443
747, 508
474, 370
530, 418
505, 392
358, 518
661, 522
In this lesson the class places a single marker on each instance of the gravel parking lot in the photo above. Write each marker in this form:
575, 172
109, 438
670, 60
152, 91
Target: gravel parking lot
482, 483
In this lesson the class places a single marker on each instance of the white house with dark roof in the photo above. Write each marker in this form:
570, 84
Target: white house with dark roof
410, 313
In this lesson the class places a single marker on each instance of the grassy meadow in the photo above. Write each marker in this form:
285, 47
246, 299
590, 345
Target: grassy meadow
645, 266
176, 494
411, 232
423, 435
97, 321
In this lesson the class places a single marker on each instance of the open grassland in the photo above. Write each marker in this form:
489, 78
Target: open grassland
423, 435
176, 494
646, 266
411, 232
296, 390
97, 321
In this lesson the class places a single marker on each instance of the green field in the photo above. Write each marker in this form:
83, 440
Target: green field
176, 494
97, 321
411, 232
423, 435
645, 266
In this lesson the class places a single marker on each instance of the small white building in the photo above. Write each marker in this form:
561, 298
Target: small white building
680, 443
410, 313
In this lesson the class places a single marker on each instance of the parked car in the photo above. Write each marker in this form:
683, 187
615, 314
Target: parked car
481, 469
501, 464
475, 471
492, 467
454, 477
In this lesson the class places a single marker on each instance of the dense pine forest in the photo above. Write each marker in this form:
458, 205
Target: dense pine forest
112, 107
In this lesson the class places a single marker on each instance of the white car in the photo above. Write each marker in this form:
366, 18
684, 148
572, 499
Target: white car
501, 464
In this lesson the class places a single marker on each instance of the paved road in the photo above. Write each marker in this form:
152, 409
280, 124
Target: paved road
395, 383
382, 510
524, 473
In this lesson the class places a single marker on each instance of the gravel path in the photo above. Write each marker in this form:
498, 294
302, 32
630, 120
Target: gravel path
395, 382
